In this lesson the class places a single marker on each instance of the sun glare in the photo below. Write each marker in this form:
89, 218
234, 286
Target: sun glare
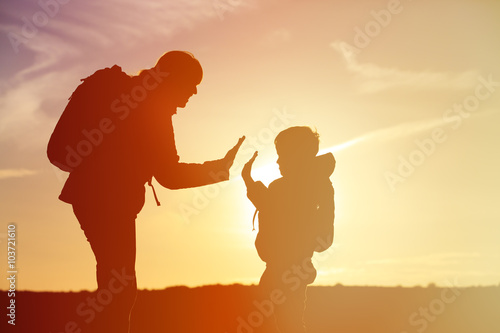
266, 173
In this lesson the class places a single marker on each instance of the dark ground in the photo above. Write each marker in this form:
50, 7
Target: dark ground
227, 309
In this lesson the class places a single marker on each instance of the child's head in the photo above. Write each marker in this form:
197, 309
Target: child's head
296, 147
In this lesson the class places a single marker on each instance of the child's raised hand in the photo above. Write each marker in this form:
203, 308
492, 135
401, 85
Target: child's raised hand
247, 169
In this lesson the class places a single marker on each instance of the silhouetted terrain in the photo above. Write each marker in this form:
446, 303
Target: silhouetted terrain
226, 309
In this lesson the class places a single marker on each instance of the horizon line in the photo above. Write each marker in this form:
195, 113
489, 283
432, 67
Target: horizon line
429, 285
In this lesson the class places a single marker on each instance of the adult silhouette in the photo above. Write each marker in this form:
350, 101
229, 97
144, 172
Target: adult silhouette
115, 135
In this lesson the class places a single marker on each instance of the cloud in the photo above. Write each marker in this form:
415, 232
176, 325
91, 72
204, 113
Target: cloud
269, 172
51, 59
22, 115
398, 131
77, 26
16, 173
372, 78
435, 259
389, 133
444, 269
278, 37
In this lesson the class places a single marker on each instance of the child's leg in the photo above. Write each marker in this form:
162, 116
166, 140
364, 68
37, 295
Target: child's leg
270, 282
289, 315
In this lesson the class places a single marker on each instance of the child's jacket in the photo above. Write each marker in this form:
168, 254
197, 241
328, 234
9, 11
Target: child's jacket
295, 215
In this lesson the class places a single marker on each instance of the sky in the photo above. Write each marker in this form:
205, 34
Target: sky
406, 94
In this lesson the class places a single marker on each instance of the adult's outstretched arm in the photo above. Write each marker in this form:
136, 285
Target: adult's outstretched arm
178, 175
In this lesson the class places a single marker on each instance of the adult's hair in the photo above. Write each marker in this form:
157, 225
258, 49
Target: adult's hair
300, 140
180, 64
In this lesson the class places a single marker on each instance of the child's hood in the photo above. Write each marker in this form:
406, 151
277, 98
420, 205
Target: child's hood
325, 164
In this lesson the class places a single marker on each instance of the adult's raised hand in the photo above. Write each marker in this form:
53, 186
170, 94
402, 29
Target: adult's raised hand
231, 154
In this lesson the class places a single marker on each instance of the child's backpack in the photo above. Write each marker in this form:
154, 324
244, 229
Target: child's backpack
325, 215
86, 118
319, 192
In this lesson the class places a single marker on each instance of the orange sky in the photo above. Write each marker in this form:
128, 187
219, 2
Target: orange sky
382, 81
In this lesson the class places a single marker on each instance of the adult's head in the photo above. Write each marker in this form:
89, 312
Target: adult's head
184, 74
296, 147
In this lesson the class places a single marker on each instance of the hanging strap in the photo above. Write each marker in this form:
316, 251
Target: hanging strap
253, 220
154, 192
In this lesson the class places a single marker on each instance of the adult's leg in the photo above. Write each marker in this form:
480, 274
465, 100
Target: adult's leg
112, 237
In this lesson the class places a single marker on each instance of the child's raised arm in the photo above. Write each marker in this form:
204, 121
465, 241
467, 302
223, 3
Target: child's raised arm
246, 172
256, 191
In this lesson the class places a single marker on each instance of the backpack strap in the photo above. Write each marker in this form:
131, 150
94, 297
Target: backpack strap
253, 220
154, 192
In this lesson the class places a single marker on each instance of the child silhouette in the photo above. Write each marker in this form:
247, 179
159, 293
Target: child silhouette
296, 214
